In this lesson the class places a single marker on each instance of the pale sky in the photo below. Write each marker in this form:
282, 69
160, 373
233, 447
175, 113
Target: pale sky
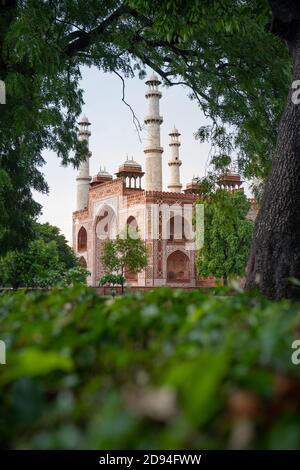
114, 136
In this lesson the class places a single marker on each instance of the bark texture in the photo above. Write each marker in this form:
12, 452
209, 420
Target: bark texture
275, 251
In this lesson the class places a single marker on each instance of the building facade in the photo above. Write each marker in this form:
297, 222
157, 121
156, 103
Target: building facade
164, 219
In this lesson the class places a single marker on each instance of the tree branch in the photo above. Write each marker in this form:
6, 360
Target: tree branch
85, 39
135, 120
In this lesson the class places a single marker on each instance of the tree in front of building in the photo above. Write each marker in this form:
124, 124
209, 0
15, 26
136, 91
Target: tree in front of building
227, 235
125, 252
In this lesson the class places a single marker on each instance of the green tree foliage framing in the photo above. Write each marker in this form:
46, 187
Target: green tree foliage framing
221, 51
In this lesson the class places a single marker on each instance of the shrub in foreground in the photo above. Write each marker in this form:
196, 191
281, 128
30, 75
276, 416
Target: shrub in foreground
163, 369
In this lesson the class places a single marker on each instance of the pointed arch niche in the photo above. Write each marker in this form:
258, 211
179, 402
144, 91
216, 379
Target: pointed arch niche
178, 267
178, 229
82, 239
133, 227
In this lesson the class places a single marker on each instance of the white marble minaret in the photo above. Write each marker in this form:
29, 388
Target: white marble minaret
153, 151
83, 178
174, 162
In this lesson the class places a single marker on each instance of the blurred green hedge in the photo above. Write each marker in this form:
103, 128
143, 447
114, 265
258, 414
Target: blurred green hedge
163, 369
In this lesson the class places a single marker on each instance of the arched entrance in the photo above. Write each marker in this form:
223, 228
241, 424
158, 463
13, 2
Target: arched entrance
104, 228
82, 240
178, 267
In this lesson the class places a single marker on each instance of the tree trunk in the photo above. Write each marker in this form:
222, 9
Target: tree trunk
275, 251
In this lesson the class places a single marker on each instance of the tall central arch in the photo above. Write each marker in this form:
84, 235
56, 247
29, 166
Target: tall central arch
104, 227
133, 232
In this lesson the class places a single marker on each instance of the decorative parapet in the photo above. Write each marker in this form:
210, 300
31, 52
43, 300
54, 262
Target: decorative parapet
81, 214
109, 188
169, 196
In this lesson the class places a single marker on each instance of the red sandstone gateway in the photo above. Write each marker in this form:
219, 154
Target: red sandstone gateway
164, 218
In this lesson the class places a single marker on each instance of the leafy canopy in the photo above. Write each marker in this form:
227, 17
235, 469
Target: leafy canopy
45, 261
50, 233
237, 71
112, 279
